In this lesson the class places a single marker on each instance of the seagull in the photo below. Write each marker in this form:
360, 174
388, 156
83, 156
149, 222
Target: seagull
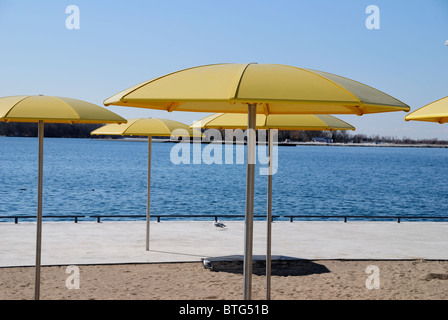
219, 225
207, 263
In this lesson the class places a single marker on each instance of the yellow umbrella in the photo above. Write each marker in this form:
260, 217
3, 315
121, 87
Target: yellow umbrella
146, 127
43, 109
256, 88
279, 122
436, 111
274, 121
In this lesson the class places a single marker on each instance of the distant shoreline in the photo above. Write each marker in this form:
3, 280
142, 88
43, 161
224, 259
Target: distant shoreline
383, 145
292, 144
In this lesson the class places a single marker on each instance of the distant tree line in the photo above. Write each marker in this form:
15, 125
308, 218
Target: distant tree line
52, 130
300, 135
343, 136
19, 129
346, 137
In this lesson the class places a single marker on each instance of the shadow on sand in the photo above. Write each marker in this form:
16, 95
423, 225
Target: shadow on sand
280, 266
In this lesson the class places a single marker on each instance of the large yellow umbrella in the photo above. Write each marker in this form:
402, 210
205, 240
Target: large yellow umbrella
256, 88
43, 109
436, 111
146, 127
278, 122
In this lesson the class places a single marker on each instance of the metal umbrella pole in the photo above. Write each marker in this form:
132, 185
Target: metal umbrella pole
148, 198
249, 216
39, 211
269, 216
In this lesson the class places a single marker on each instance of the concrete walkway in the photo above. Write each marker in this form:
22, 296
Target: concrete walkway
66, 243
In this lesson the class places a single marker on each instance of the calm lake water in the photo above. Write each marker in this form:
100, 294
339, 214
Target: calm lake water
91, 177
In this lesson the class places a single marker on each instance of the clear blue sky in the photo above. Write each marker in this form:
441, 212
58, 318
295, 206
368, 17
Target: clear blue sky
123, 43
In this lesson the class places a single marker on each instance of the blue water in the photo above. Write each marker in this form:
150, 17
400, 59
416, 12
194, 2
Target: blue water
91, 177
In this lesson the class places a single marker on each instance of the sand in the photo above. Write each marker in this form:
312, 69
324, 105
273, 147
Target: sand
291, 280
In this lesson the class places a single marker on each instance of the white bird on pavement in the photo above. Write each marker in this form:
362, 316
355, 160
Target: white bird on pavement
207, 263
219, 225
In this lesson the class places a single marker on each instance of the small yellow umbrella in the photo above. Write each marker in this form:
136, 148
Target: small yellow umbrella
279, 122
436, 111
256, 88
43, 109
146, 127
322, 122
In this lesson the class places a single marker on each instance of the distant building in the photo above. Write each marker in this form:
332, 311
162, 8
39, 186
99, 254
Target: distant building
322, 139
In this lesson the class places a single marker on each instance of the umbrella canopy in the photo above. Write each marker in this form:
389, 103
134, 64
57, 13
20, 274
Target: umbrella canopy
146, 127
56, 110
256, 88
276, 89
274, 121
436, 111
279, 122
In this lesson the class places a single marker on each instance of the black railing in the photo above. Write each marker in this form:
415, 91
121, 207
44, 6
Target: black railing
159, 216
291, 218
16, 218
398, 218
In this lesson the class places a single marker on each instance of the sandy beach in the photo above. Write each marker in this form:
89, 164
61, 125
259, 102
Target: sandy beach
311, 260
291, 280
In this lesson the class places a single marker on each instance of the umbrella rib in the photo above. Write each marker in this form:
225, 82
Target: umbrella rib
70, 108
149, 81
241, 79
173, 106
265, 124
125, 131
332, 82
266, 108
10, 109
166, 127
213, 117
152, 80
356, 109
